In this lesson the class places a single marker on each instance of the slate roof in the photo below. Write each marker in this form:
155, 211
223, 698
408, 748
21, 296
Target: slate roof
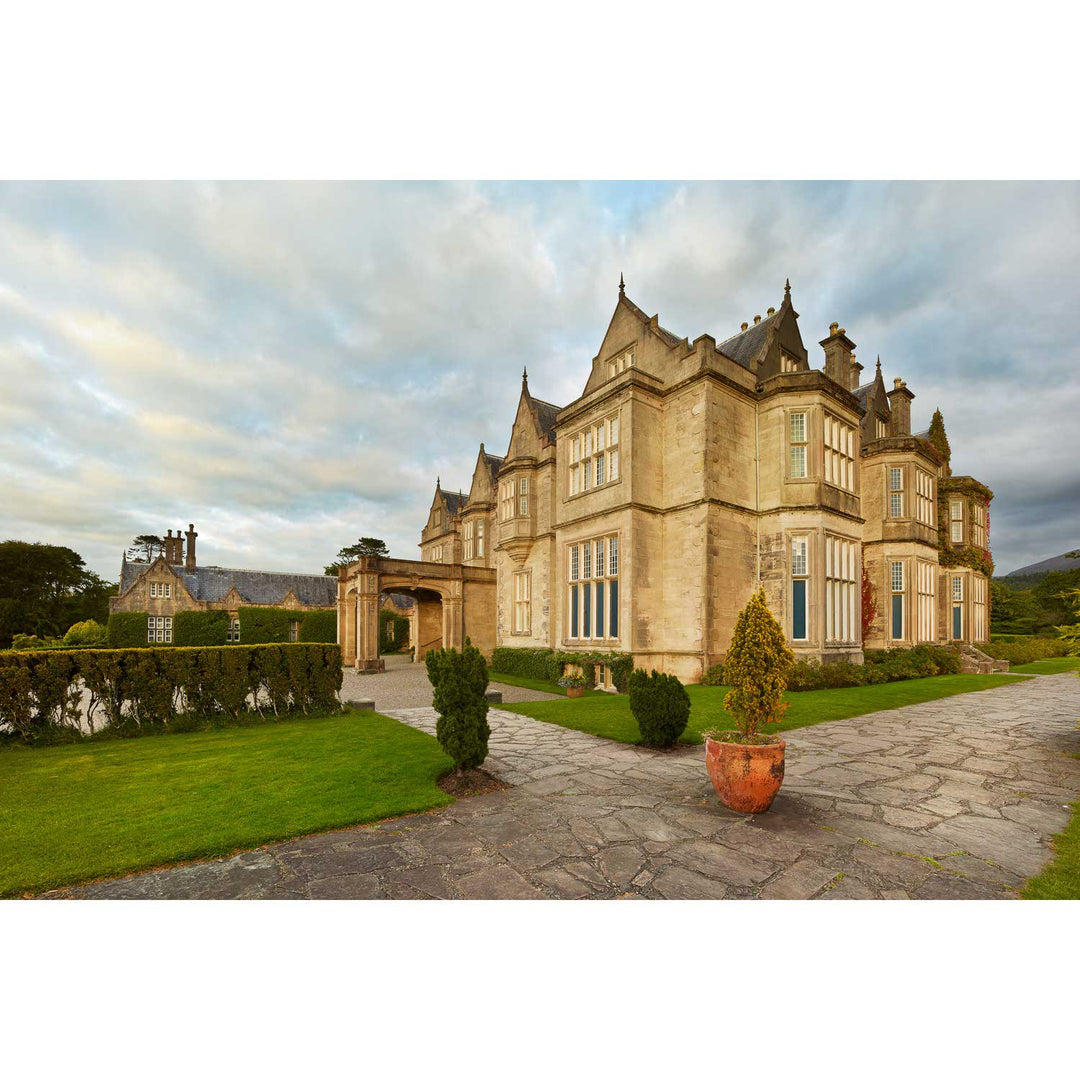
455, 500
545, 414
667, 335
494, 464
745, 345
924, 435
212, 583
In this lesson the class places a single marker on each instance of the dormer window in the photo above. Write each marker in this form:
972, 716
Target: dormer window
880, 428
788, 362
620, 363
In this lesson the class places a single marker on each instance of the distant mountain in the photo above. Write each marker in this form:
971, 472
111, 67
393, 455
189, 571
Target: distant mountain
1041, 569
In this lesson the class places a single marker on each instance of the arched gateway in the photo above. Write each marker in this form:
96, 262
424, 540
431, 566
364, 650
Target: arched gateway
453, 602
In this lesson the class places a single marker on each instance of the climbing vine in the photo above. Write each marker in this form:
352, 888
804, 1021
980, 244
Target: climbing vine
972, 557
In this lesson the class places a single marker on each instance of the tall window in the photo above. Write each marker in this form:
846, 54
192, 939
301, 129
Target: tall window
621, 363
594, 456
797, 423
593, 604
233, 633
841, 590
468, 539
978, 525
506, 500
924, 498
978, 608
957, 607
897, 581
800, 573
927, 608
523, 496
153, 588
839, 453
956, 521
880, 428
159, 629
480, 538
896, 493
522, 601
294, 630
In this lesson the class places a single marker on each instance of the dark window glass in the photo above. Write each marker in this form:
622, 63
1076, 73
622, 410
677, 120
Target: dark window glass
613, 621
599, 609
898, 615
798, 609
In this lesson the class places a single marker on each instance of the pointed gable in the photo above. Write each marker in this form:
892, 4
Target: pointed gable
482, 488
534, 424
771, 346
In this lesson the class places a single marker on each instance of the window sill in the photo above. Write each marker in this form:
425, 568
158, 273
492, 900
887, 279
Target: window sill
602, 487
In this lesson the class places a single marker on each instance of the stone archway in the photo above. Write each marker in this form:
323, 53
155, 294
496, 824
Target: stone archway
453, 602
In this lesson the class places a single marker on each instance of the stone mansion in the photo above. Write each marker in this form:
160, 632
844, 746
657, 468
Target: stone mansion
641, 516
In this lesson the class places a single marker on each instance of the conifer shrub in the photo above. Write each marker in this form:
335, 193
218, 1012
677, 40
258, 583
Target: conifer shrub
756, 667
661, 707
460, 680
714, 676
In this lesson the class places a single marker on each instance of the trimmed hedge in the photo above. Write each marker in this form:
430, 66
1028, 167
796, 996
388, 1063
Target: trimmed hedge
200, 629
320, 626
1025, 650
548, 665
263, 625
881, 666
139, 691
126, 629
393, 631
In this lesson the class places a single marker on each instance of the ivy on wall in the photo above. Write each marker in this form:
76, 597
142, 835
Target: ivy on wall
972, 557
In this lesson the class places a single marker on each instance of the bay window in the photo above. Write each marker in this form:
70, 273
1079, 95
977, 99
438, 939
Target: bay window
797, 429
896, 493
927, 613
896, 576
924, 497
839, 453
956, 521
800, 574
841, 590
593, 601
522, 601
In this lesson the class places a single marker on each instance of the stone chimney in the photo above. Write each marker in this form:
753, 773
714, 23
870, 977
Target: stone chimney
839, 357
189, 562
900, 398
170, 550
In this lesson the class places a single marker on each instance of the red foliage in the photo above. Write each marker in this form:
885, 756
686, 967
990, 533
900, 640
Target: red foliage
869, 604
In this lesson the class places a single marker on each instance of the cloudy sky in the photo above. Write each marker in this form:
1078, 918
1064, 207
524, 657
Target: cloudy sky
290, 365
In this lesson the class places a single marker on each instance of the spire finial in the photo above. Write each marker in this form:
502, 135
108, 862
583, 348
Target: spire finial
787, 288
622, 285
524, 374
438, 482
879, 361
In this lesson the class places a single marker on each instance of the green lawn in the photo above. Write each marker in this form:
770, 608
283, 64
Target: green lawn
1061, 879
1053, 666
79, 812
536, 684
609, 716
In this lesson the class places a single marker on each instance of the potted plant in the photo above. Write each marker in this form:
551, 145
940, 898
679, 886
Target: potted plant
746, 766
574, 685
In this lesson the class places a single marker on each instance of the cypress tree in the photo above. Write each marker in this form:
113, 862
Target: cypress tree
756, 668
460, 680
939, 440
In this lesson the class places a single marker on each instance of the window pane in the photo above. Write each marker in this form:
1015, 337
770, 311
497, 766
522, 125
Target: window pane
798, 461
798, 427
613, 465
586, 611
898, 615
798, 609
613, 556
573, 611
599, 609
614, 430
613, 621
586, 560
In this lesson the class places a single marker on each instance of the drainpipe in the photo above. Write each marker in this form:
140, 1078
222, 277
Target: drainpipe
757, 496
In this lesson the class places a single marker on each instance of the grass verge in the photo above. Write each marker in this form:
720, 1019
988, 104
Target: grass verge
537, 684
1061, 879
610, 718
85, 811
1053, 666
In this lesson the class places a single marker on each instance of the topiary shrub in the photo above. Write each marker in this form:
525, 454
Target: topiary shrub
757, 666
460, 680
660, 706
127, 630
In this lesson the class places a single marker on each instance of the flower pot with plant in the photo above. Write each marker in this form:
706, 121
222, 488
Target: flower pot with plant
745, 765
574, 685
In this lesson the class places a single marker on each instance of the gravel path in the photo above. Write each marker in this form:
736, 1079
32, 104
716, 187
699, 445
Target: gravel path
952, 799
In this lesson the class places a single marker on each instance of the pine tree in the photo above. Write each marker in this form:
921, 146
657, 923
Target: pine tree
939, 440
756, 668
460, 680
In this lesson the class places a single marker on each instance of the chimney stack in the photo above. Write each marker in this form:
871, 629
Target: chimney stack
189, 562
900, 398
839, 357
170, 551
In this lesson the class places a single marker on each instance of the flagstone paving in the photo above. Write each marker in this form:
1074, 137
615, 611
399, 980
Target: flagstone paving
952, 799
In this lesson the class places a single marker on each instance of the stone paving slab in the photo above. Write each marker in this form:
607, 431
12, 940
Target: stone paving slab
954, 799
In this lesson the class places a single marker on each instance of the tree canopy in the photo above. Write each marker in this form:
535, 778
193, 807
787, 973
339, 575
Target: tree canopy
938, 439
366, 545
45, 588
146, 547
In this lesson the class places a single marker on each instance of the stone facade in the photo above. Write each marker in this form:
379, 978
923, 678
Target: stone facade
174, 582
641, 516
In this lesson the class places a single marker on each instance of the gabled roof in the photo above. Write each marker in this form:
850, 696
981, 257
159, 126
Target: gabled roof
745, 346
494, 464
545, 415
667, 335
212, 583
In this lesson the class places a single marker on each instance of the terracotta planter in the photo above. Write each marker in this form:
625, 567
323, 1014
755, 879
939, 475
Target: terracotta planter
746, 778
575, 691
